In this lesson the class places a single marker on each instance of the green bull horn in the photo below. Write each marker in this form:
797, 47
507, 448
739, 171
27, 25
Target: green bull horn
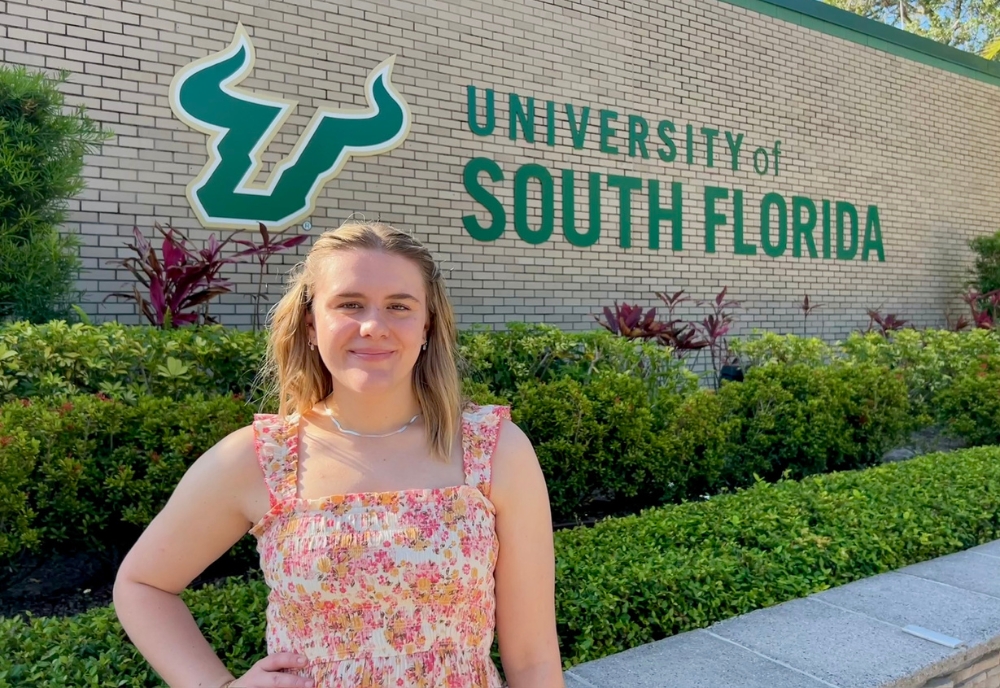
240, 125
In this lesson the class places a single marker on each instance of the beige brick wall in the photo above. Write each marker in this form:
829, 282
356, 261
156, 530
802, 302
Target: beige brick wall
983, 672
856, 124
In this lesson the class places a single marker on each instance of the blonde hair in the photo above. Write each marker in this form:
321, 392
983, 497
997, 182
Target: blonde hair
296, 375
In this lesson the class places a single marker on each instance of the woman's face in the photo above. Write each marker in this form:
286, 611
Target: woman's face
369, 319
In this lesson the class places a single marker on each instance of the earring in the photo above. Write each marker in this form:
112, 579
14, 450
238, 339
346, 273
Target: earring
312, 347
424, 347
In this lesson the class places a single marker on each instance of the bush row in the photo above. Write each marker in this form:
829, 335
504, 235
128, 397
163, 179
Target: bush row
929, 361
627, 581
126, 362
89, 472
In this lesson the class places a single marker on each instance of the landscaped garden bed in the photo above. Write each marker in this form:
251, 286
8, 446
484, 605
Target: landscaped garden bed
626, 581
99, 424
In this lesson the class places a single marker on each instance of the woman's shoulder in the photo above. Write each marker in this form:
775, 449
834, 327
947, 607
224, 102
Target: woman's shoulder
486, 412
235, 454
238, 457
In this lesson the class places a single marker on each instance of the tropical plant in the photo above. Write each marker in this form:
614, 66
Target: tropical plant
181, 281
262, 252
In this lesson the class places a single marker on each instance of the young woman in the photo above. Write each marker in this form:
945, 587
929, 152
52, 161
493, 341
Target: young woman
396, 527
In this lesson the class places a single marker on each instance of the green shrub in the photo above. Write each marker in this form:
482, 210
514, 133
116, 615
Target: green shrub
626, 581
799, 420
88, 474
971, 404
769, 347
18, 452
503, 360
595, 441
697, 442
98, 470
928, 360
126, 362
92, 649
43, 153
987, 268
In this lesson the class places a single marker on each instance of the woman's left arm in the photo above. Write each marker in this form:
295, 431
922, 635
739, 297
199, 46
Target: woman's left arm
525, 570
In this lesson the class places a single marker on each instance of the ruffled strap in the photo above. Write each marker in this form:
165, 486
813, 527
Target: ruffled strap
480, 433
276, 439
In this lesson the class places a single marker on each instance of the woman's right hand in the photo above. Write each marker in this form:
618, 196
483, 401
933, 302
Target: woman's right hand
267, 673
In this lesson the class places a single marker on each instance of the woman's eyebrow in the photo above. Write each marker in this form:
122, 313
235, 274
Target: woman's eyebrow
394, 297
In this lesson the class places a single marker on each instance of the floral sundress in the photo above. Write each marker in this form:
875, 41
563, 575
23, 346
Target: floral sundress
382, 588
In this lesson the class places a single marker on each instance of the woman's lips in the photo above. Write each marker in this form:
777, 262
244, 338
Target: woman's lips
373, 355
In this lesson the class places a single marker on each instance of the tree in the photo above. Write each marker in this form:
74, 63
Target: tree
972, 25
42, 149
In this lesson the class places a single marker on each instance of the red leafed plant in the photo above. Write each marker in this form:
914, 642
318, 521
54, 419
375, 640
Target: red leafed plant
983, 308
716, 326
682, 336
884, 324
181, 281
263, 252
630, 321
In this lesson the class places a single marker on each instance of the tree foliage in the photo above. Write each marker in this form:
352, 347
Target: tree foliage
42, 149
972, 25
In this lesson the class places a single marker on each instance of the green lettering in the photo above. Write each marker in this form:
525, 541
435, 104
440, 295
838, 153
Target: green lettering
873, 235
657, 214
607, 116
526, 119
690, 145
474, 127
550, 113
574, 237
757, 164
499, 218
846, 252
577, 130
773, 249
625, 185
638, 130
713, 219
525, 174
709, 135
826, 228
803, 229
665, 137
742, 248
734, 149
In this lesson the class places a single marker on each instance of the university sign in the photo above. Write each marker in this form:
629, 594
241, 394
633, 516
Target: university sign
240, 125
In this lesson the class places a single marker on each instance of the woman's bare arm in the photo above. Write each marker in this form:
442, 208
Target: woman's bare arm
205, 516
525, 572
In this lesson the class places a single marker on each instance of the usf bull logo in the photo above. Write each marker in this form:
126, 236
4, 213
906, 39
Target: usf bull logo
240, 125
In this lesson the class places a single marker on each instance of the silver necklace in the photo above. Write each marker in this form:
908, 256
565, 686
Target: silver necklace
360, 434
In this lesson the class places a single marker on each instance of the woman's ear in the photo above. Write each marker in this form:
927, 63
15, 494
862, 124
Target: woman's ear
310, 328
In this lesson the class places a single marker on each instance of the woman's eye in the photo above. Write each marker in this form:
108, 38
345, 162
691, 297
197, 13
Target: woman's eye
399, 306
350, 305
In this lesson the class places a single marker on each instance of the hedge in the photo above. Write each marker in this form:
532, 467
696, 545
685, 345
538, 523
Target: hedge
626, 581
88, 472
929, 361
127, 362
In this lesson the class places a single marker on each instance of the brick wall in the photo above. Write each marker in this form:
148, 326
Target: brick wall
983, 672
856, 124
